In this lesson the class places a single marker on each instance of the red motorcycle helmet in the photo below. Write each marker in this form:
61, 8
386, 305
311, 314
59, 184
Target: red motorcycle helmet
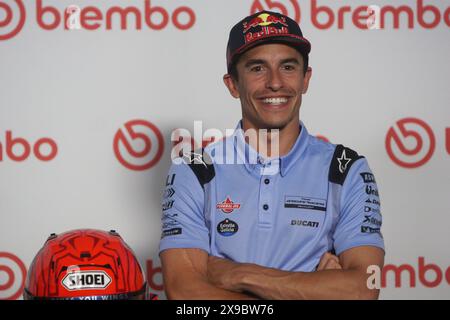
85, 264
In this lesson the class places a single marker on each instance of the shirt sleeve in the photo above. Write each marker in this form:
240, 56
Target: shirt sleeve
360, 219
183, 221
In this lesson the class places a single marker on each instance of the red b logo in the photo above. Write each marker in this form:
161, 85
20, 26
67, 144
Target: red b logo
134, 148
414, 143
15, 272
279, 6
8, 33
154, 273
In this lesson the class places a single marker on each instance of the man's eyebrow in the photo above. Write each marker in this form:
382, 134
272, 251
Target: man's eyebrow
290, 60
253, 62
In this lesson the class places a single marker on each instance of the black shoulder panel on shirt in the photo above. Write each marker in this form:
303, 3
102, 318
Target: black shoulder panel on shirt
343, 159
201, 164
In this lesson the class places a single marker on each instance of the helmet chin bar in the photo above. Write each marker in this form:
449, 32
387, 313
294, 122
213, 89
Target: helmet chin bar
137, 295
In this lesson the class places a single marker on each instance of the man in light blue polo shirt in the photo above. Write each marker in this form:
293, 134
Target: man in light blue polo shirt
301, 223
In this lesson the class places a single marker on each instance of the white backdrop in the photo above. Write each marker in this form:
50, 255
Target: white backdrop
79, 87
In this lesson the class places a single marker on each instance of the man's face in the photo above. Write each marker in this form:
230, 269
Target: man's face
270, 85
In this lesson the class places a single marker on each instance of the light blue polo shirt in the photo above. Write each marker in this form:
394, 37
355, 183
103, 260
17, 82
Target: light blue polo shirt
283, 213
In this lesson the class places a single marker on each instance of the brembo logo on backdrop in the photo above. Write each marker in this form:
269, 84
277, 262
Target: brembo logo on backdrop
139, 145
18, 149
145, 14
133, 15
325, 14
12, 276
411, 142
430, 275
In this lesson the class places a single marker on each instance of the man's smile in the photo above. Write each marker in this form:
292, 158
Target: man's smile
274, 102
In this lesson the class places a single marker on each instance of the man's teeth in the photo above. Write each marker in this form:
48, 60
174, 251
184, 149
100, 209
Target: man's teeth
275, 101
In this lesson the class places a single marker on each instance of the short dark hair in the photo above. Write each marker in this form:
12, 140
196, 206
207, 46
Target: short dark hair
234, 73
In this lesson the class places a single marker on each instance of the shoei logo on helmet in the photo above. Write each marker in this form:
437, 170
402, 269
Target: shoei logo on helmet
86, 280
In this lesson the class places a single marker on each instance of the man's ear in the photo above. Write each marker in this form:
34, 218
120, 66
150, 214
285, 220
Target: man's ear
306, 79
231, 85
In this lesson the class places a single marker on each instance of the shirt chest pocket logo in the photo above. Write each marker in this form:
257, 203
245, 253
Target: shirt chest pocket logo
309, 203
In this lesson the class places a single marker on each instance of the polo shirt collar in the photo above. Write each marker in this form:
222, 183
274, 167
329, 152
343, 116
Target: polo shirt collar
294, 155
253, 160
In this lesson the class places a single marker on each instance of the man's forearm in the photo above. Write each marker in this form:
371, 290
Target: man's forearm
199, 288
270, 283
346, 279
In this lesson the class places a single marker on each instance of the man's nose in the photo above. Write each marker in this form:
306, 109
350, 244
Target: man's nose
274, 80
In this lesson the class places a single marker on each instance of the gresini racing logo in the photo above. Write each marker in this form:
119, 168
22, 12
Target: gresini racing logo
86, 280
301, 202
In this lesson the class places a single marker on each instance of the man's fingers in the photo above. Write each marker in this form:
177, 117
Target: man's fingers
329, 261
332, 264
323, 261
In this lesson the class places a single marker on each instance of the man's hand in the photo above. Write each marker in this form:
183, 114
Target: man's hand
225, 273
329, 262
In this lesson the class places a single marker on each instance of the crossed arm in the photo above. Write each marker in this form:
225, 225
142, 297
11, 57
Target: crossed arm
192, 274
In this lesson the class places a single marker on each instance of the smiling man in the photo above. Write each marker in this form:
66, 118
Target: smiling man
297, 223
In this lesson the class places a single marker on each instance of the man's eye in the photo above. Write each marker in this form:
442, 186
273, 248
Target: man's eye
289, 67
256, 68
